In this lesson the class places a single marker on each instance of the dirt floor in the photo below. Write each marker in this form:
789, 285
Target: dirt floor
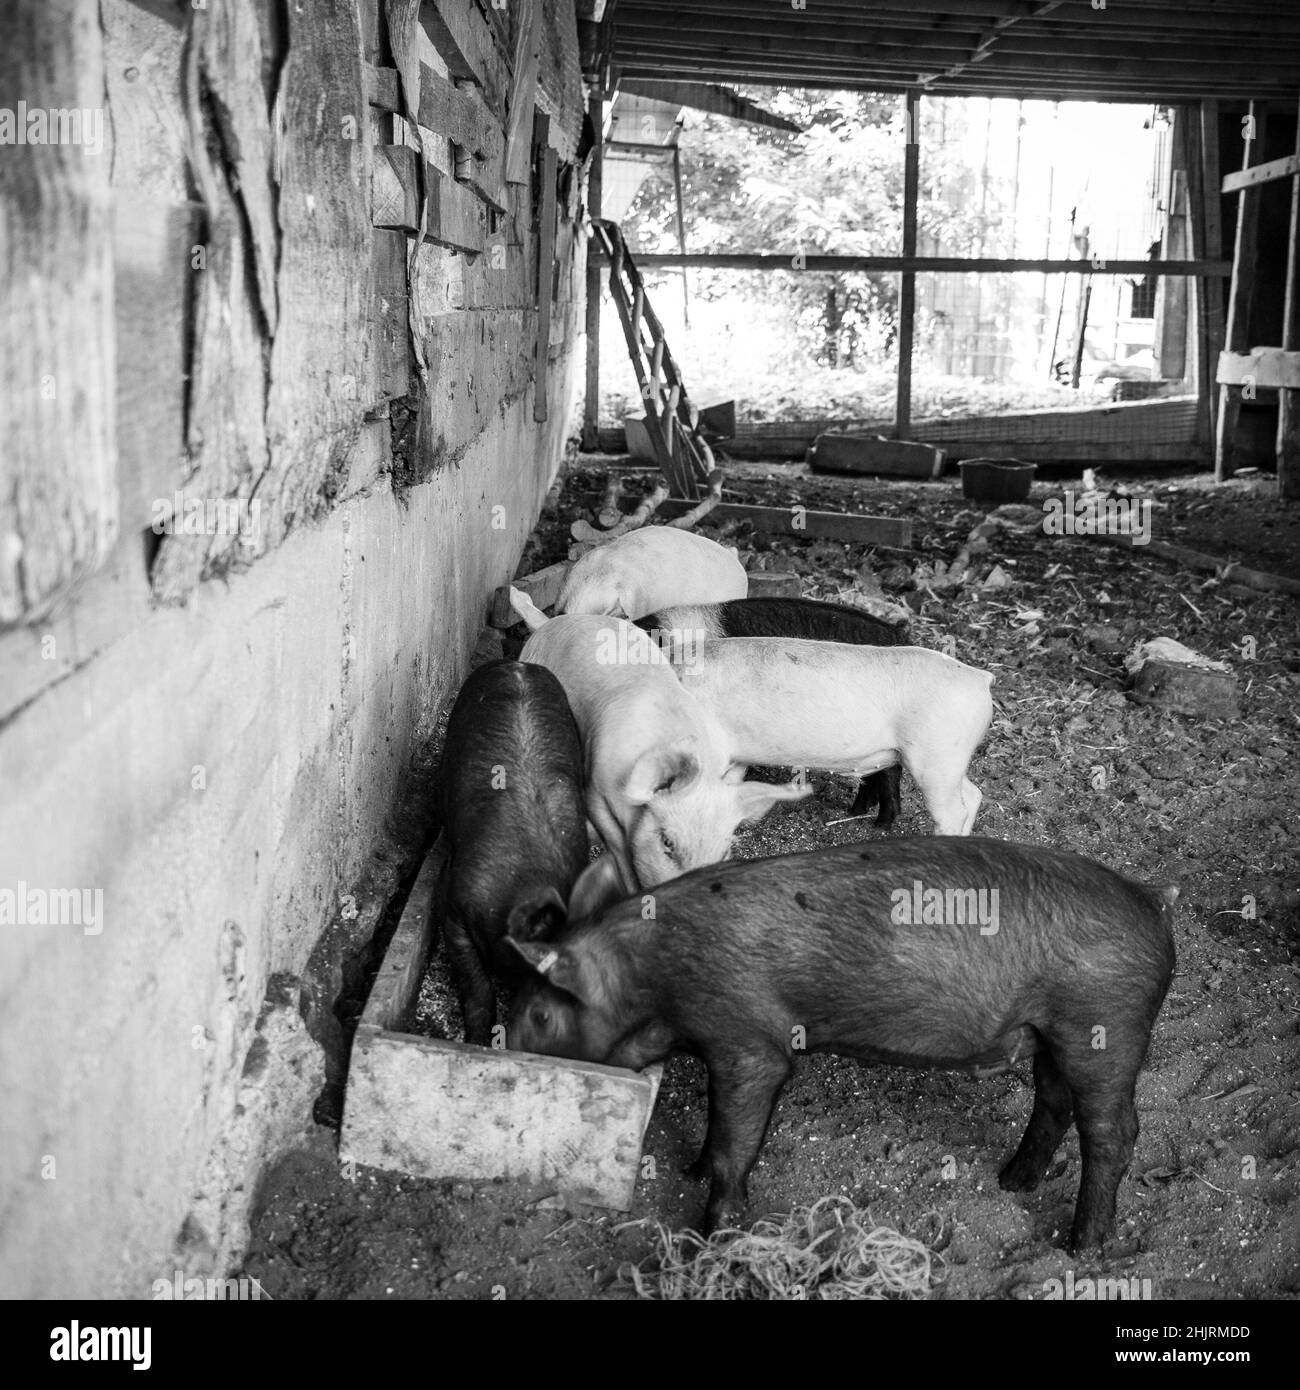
1210, 1206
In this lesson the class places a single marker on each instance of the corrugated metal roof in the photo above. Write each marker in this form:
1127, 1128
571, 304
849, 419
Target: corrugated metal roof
1121, 50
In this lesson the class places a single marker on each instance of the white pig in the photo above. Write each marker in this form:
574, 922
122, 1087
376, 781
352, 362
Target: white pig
797, 703
649, 569
656, 763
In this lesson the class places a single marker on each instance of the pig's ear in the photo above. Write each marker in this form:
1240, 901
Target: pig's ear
660, 770
537, 918
756, 799
556, 967
598, 885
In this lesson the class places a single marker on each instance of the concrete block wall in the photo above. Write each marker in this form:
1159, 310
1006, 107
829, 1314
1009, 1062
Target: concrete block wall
221, 773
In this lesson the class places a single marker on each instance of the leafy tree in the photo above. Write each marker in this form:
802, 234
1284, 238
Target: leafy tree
837, 188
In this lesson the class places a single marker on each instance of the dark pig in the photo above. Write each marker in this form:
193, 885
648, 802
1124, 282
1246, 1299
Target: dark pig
798, 617
954, 952
514, 825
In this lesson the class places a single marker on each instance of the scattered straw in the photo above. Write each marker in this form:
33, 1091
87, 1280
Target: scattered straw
831, 1250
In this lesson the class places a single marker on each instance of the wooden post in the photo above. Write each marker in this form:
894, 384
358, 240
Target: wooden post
545, 272
1241, 294
1288, 401
591, 404
681, 234
907, 287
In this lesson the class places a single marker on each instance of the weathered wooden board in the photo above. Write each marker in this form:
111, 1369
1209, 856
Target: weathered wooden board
1261, 367
1286, 167
440, 1109
144, 65
765, 584
456, 217
545, 280
523, 88
800, 523
58, 485
153, 282
226, 425
395, 187
876, 456
388, 319
1149, 430
542, 586
559, 78
238, 101
468, 45
459, 113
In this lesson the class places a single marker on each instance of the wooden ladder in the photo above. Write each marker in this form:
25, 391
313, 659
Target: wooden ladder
672, 422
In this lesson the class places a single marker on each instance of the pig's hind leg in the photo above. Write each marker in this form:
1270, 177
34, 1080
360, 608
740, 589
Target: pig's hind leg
742, 1091
1051, 1117
1102, 1084
879, 789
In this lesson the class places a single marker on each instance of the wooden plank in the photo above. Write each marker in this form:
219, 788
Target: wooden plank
397, 983
226, 423
152, 287
876, 456
542, 586
907, 287
459, 113
1263, 368
468, 46
800, 523
993, 265
1288, 402
1284, 168
701, 96
390, 318
545, 280
395, 187
144, 66
1240, 295
58, 406
243, 120
1171, 316
1162, 430
1215, 320
456, 218
523, 93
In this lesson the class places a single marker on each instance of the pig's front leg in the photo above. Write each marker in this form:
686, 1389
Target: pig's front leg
601, 815
478, 1003
742, 1091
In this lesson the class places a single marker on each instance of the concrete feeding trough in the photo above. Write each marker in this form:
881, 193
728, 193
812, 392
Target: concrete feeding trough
875, 456
440, 1109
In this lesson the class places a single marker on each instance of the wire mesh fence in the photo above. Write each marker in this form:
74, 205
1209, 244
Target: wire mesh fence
999, 178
